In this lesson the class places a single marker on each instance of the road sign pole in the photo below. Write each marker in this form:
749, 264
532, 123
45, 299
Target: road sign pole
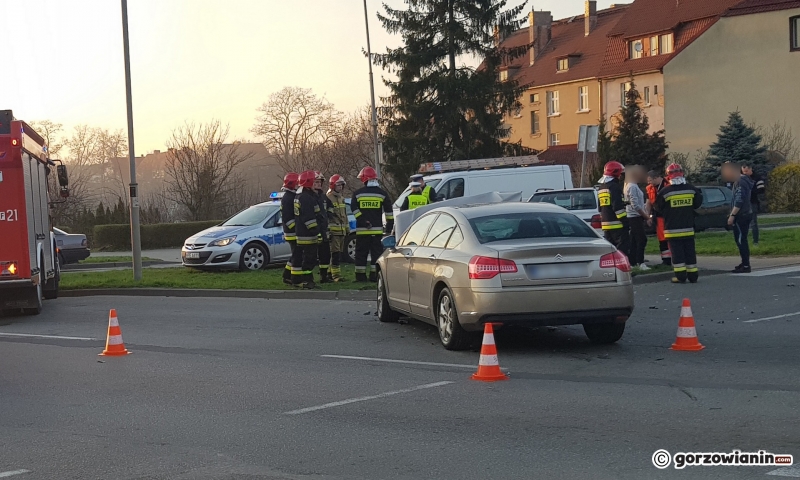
372, 96
136, 243
583, 167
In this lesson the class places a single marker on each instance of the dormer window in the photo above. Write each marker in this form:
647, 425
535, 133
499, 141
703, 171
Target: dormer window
637, 49
650, 46
503, 75
563, 65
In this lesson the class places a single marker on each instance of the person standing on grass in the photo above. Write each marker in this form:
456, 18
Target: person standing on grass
741, 212
656, 182
755, 200
637, 216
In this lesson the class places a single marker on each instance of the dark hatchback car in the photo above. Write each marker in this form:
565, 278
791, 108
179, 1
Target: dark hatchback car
714, 211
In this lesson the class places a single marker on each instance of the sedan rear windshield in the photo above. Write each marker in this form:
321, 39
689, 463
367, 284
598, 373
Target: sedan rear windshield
580, 200
251, 216
529, 225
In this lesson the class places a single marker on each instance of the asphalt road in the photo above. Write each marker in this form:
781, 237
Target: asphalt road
240, 389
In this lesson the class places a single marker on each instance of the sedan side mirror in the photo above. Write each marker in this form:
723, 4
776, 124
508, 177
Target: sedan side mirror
389, 242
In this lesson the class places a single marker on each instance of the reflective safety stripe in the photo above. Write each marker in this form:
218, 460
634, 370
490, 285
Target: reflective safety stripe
290, 223
370, 195
307, 240
316, 208
356, 213
115, 340
679, 232
361, 269
621, 213
674, 193
337, 228
389, 217
691, 268
371, 231
686, 332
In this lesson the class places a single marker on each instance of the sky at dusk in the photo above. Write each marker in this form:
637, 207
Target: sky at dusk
191, 60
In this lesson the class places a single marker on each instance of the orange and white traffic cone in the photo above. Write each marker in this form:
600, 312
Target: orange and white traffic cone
114, 345
488, 366
687, 334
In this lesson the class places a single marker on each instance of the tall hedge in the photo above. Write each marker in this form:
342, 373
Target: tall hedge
783, 189
160, 235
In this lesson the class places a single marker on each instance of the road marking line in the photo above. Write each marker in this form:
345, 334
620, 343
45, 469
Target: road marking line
11, 473
364, 399
786, 472
768, 272
58, 337
773, 318
410, 362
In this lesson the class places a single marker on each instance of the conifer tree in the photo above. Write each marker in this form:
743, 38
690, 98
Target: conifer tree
736, 142
632, 144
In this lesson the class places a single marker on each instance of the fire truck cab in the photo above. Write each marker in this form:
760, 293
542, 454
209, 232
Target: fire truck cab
29, 269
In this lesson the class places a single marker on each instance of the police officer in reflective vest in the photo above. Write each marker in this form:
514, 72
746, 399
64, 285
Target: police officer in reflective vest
613, 216
426, 189
339, 224
288, 221
677, 203
414, 199
370, 203
306, 206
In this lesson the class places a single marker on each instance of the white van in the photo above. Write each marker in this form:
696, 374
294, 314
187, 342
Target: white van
527, 179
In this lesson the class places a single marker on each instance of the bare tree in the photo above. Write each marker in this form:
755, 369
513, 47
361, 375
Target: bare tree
293, 122
112, 150
780, 141
51, 132
201, 169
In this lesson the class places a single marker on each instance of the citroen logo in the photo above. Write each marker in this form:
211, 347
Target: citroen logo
559, 257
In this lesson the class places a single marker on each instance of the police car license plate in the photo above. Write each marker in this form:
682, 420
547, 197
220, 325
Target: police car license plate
192, 254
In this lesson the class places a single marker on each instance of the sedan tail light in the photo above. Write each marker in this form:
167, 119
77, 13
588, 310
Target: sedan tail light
482, 268
597, 221
615, 260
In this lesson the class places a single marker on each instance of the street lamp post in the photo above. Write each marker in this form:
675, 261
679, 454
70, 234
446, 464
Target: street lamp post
375, 137
136, 244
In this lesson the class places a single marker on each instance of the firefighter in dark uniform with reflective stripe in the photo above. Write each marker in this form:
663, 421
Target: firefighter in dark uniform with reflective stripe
426, 189
288, 221
324, 246
655, 183
369, 204
414, 199
306, 206
612, 208
339, 224
677, 203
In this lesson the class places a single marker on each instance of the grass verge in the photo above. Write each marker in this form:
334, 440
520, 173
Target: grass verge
182, 277
770, 221
773, 243
116, 259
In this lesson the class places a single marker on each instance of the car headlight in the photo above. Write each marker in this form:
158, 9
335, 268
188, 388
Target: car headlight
222, 242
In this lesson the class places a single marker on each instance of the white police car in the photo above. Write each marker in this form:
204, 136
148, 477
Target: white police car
249, 240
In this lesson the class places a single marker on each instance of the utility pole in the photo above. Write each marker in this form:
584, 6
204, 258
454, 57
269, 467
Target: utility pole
375, 138
136, 242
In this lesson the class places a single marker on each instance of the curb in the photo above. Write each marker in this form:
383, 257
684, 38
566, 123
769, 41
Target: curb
349, 295
101, 265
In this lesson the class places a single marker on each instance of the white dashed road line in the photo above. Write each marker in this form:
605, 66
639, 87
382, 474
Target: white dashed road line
11, 473
755, 320
793, 472
409, 362
364, 399
57, 337
769, 272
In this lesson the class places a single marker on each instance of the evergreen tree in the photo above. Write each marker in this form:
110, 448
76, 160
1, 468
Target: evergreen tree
736, 142
100, 215
632, 145
438, 110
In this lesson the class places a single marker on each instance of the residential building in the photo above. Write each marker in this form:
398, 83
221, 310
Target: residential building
749, 61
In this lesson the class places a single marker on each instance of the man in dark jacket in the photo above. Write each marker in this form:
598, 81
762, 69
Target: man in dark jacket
741, 212
613, 215
306, 208
370, 204
677, 203
759, 188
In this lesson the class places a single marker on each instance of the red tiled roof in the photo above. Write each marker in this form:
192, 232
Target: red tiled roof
749, 7
567, 155
645, 17
567, 38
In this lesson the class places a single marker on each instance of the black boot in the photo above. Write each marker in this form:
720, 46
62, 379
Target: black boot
373, 276
361, 277
287, 276
308, 283
323, 276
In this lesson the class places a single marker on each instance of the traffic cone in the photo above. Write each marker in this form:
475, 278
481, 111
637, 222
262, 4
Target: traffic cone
687, 335
114, 345
488, 366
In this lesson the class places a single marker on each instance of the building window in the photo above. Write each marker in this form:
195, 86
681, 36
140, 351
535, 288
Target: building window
647, 96
518, 112
534, 98
794, 23
553, 139
563, 65
583, 99
636, 49
655, 90
665, 43
535, 122
623, 90
503, 75
553, 107
653, 46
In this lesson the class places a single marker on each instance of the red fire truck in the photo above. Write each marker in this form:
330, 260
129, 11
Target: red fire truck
29, 267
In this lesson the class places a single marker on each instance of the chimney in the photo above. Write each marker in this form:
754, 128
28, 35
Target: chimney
539, 25
590, 17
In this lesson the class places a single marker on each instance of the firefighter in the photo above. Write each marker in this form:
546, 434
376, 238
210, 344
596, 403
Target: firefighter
426, 189
677, 203
369, 203
288, 221
339, 225
655, 182
612, 207
324, 237
414, 199
306, 206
